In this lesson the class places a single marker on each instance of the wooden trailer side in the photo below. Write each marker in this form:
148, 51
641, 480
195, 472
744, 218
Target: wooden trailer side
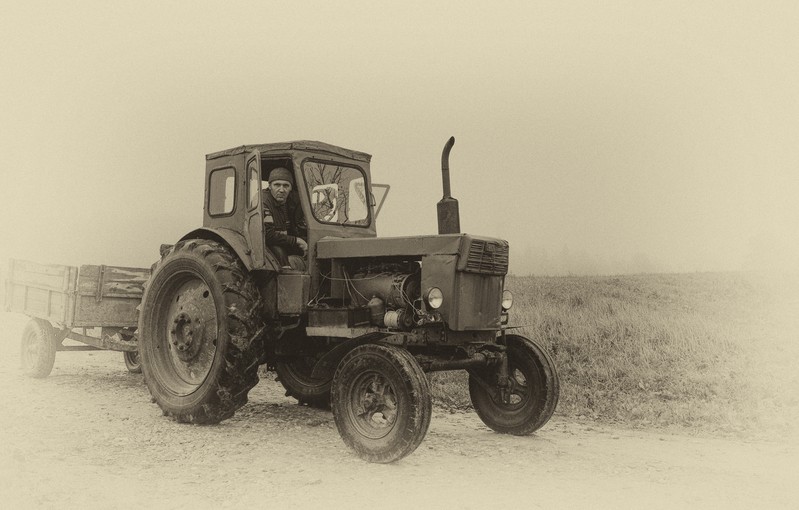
109, 296
92, 296
46, 291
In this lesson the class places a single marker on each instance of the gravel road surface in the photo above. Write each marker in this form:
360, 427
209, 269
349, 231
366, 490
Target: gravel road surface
89, 437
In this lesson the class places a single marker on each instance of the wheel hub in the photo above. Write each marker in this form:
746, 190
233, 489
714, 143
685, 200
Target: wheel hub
187, 333
376, 406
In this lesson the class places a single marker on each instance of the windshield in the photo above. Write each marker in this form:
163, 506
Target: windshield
337, 193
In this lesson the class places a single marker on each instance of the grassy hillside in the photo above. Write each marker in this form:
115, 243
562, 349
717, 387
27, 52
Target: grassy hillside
705, 351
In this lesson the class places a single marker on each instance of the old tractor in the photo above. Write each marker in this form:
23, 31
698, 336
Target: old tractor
356, 329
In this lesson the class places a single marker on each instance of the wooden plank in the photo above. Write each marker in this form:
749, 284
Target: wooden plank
40, 290
26, 266
115, 281
43, 276
110, 311
36, 302
109, 295
54, 292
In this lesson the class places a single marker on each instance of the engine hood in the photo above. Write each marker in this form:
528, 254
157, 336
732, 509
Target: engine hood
410, 246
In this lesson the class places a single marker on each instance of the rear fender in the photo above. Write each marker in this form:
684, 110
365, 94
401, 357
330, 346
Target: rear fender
237, 243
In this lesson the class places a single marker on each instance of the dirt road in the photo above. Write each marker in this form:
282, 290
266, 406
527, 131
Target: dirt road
89, 437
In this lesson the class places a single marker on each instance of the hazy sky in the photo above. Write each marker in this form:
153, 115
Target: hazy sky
594, 136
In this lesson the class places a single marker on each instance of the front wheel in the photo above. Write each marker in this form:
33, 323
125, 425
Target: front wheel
381, 402
38, 348
527, 402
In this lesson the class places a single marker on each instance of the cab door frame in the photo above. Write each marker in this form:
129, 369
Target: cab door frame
253, 218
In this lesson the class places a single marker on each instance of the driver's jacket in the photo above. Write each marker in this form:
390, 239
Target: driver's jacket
283, 223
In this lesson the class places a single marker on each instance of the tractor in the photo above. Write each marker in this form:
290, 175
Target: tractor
356, 328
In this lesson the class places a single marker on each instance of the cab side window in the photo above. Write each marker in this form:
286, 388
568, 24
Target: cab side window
221, 191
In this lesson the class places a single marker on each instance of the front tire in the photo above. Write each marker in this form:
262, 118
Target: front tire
199, 332
38, 348
381, 402
532, 396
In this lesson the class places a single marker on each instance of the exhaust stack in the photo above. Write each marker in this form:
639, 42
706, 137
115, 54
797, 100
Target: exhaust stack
449, 221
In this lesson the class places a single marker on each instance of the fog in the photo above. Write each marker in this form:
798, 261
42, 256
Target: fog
596, 138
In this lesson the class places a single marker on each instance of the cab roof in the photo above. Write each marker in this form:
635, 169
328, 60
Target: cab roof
304, 145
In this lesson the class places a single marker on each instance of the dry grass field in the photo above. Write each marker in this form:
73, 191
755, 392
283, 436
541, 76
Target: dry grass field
700, 352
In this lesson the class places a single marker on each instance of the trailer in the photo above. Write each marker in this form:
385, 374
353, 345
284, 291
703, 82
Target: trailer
95, 305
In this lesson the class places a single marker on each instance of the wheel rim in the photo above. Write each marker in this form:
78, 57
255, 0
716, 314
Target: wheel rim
133, 358
373, 408
520, 391
31, 349
186, 329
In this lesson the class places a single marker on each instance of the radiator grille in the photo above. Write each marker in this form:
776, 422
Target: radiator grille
487, 258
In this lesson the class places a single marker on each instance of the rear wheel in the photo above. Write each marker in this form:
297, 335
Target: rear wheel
38, 348
381, 402
199, 332
132, 361
531, 396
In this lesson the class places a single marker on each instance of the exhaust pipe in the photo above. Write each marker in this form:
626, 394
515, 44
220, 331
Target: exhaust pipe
449, 221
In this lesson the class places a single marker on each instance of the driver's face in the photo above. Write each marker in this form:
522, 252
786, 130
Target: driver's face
280, 190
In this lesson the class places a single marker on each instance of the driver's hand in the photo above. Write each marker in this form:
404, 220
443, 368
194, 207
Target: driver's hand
303, 245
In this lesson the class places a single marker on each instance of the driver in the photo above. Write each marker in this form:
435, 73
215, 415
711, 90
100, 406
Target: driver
284, 223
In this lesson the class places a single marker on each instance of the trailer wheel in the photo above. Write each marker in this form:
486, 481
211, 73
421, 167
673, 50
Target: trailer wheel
132, 361
295, 376
530, 399
199, 332
381, 402
37, 349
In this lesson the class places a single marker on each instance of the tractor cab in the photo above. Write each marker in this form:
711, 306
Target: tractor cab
332, 190
332, 194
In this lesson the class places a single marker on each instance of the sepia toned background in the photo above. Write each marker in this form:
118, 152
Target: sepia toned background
597, 138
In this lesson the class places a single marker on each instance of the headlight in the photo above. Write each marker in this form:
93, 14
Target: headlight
507, 300
434, 298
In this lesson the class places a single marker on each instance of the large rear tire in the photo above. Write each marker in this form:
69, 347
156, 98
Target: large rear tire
381, 402
199, 332
38, 348
532, 396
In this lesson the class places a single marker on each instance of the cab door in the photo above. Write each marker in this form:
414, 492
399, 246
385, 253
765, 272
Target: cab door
253, 219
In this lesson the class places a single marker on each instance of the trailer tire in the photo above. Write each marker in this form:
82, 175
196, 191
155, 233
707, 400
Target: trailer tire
381, 402
534, 391
38, 348
200, 332
132, 361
